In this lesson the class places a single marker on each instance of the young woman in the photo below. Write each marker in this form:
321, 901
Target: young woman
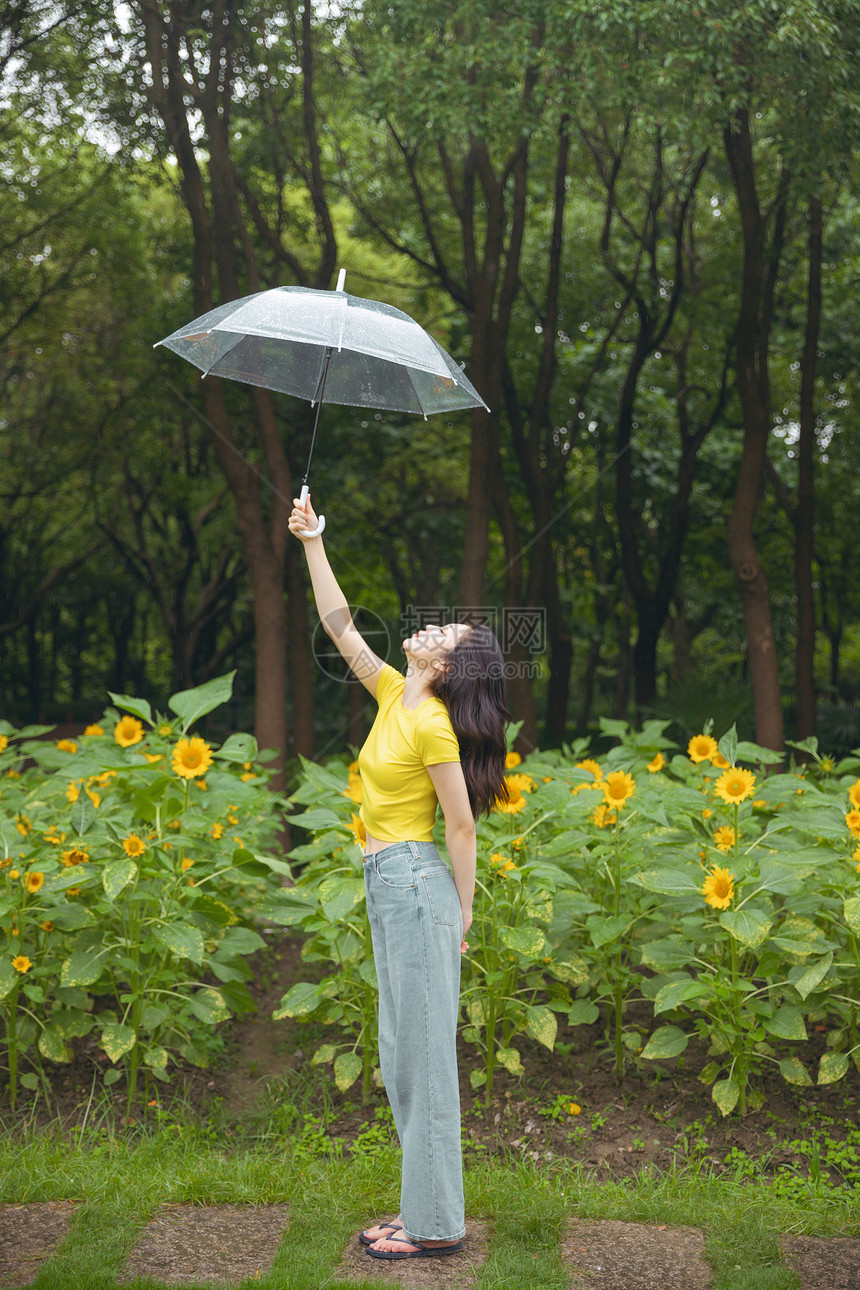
438, 739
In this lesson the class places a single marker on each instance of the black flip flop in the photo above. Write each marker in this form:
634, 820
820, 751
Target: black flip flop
420, 1252
394, 1227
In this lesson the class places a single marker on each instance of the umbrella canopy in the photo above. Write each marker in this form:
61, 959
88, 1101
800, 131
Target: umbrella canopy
327, 347
379, 356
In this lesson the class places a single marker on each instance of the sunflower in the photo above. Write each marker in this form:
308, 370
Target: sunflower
359, 832
128, 731
827, 765
735, 785
153, 757
47, 926
618, 787
707, 813
133, 845
854, 793
165, 730
525, 783
33, 881
724, 838
702, 748
93, 796
94, 729
514, 800
21, 963
719, 761
74, 856
353, 791
602, 816
217, 831
66, 745
718, 888
23, 826
592, 765
497, 860
656, 763
512, 759
4, 743
191, 757
852, 819
246, 775
73, 792
186, 864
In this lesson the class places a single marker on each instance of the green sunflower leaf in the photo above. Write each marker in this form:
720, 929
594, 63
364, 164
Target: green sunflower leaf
510, 1059
851, 910
794, 1072
183, 940
137, 707
347, 1068
832, 1067
726, 1093
117, 1041
189, 705
116, 876
747, 926
667, 1041
786, 1023
528, 941
541, 1024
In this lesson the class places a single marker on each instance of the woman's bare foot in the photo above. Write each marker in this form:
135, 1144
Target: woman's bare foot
384, 1228
399, 1243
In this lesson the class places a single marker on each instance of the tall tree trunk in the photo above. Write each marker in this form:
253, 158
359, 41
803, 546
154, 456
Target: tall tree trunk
220, 239
804, 683
516, 625
752, 337
301, 663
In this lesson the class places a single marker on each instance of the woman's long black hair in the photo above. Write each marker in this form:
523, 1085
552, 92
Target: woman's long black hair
473, 690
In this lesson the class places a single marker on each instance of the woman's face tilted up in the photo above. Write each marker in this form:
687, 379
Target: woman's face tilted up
429, 645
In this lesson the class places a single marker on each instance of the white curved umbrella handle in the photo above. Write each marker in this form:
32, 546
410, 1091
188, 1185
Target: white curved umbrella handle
320, 526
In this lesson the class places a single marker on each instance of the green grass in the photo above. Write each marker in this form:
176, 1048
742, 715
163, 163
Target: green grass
119, 1183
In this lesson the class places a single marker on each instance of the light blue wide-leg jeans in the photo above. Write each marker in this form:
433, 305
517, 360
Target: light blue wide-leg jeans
416, 926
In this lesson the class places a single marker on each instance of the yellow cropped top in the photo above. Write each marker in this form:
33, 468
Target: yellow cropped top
398, 798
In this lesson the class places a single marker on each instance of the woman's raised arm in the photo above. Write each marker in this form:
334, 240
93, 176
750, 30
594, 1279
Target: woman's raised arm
331, 603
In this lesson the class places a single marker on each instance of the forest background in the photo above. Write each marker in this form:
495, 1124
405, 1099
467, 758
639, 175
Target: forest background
636, 224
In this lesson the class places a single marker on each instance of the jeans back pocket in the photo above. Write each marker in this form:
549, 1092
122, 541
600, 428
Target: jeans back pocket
442, 897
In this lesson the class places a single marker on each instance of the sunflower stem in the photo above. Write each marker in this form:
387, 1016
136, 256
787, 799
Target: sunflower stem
618, 988
12, 1046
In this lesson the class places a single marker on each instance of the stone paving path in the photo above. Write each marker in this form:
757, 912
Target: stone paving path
29, 1234
823, 1263
187, 1245
611, 1255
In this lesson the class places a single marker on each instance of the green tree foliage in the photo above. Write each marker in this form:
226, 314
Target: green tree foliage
602, 209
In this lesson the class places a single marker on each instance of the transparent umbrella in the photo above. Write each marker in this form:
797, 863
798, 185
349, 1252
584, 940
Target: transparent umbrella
326, 347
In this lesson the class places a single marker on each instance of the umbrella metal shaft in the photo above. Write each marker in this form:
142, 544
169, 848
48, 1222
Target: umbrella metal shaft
319, 402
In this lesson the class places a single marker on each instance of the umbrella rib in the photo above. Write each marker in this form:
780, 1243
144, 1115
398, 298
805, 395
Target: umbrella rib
223, 354
417, 392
